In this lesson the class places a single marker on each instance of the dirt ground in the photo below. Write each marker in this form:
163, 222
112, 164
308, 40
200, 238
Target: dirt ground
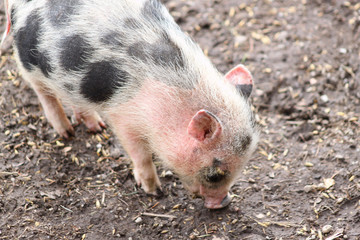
302, 183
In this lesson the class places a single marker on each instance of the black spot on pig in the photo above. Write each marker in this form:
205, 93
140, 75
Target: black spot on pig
12, 16
60, 12
139, 51
241, 144
101, 81
27, 40
69, 87
113, 39
44, 64
153, 10
166, 53
75, 53
244, 89
131, 23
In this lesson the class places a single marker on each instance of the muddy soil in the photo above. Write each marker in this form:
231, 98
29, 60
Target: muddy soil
302, 183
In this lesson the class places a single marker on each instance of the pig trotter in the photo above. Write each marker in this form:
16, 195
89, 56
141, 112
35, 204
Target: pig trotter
147, 179
91, 119
69, 133
159, 192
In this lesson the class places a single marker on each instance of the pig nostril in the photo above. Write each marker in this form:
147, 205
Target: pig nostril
215, 178
215, 174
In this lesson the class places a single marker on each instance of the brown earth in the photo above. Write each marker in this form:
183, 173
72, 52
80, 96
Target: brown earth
304, 56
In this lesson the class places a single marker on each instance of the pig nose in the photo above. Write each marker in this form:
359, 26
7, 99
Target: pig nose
217, 204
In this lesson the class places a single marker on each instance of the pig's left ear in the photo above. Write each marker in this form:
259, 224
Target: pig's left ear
204, 126
241, 78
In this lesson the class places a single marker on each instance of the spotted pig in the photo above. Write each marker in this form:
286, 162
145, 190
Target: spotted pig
129, 62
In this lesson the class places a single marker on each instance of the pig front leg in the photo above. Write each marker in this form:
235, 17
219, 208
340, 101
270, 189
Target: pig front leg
90, 118
53, 109
144, 168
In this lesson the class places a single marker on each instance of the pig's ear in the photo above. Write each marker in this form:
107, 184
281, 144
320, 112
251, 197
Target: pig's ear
241, 78
204, 126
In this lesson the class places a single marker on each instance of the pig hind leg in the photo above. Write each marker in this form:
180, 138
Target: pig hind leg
90, 118
53, 109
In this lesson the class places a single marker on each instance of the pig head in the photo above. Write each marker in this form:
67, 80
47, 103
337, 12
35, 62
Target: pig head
215, 147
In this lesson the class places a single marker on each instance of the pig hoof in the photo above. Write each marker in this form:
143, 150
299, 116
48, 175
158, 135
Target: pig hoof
66, 132
95, 127
91, 120
70, 133
148, 181
159, 192
151, 190
94, 124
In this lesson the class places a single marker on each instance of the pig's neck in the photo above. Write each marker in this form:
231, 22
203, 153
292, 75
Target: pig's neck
160, 114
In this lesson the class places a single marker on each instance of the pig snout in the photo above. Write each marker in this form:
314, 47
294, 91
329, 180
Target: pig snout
217, 203
215, 199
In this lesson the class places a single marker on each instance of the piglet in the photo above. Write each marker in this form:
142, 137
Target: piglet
128, 62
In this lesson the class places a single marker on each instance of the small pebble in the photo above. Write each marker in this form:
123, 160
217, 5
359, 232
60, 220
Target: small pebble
169, 174
309, 164
320, 187
308, 188
138, 220
326, 229
271, 174
313, 81
339, 157
260, 216
324, 98
240, 39
343, 50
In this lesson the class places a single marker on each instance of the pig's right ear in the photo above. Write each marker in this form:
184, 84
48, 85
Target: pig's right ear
204, 126
241, 78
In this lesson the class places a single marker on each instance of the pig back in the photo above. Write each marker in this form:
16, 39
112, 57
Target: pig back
95, 52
